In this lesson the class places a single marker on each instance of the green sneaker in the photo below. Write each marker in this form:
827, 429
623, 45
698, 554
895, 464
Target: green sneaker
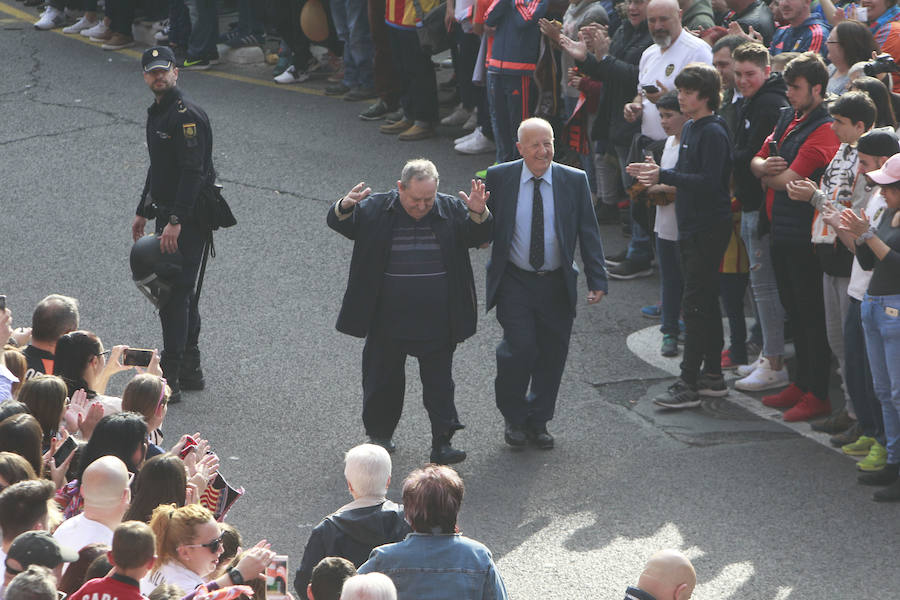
875, 460
482, 174
860, 447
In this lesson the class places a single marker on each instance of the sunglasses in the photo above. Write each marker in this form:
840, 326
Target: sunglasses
212, 546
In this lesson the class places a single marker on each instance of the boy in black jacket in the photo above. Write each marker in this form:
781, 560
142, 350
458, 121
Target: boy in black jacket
703, 208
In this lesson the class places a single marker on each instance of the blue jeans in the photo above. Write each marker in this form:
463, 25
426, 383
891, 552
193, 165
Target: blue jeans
671, 284
351, 20
639, 245
858, 375
204, 28
883, 347
769, 309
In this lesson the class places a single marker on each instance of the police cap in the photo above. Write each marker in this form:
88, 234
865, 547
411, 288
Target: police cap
158, 57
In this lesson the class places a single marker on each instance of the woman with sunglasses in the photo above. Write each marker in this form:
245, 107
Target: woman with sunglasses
188, 547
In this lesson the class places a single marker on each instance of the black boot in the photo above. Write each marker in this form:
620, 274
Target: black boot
442, 453
190, 375
886, 476
170, 364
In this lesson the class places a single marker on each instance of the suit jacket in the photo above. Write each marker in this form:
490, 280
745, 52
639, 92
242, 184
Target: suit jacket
575, 219
371, 227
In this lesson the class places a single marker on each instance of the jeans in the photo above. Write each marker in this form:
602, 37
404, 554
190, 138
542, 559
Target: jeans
671, 284
639, 245
587, 160
204, 28
883, 347
770, 312
858, 375
509, 98
799, 278
351, 19
701, 255
732, 287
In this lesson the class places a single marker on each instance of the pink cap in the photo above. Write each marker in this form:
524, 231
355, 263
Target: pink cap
888, 173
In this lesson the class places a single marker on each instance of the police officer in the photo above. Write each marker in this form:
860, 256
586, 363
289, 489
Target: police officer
179, 140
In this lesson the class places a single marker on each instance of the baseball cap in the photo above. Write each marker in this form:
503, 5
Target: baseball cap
888, 173
879, 142
158, 57
40, 548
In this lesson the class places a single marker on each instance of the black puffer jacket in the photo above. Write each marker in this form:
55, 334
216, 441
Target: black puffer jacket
619, 74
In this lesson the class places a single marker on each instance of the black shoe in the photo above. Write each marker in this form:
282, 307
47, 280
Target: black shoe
886, 476
833, 423
540, 437
375, 112
338, 89
360, 93
190, 373
608, 214
849, 436
616, 259
711, 385
889, 494
515, 435
442, 453
386, 443
680, 394
631, 269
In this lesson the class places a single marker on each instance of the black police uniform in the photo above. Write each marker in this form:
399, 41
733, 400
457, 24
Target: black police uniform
179, 140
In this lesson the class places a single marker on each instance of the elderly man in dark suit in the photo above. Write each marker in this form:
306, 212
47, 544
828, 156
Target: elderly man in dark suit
539, 208
411, 292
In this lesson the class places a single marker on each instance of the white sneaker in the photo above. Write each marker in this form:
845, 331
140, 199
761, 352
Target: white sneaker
479, 144
763, 378
457, 117
744, 370
472, 123
51, 19
95, 31
290, 75
79, 25
466, 137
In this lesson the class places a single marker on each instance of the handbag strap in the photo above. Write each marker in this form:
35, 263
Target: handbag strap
420, 15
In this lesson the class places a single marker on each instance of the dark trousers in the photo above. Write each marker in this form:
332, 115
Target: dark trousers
799, 280
387, 79
510, 100
732, 288
536, 317
418, 85
858, 375
465, 50
179, 24
179, 316
701, 255
121, 15
384, 382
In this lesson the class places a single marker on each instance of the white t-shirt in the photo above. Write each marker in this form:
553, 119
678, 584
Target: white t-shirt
859, 279
79, 531
664, 66
174, 573
666, 226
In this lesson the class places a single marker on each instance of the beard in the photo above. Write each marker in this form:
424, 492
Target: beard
663, 39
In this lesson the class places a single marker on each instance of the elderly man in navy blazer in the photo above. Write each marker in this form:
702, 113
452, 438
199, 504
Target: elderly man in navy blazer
540, 208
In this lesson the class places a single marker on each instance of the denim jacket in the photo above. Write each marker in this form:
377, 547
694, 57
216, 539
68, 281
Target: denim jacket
438, 567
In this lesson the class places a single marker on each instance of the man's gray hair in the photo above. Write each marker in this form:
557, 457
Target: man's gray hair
368, 469
371, 586
54, 316
34, 583
418, 168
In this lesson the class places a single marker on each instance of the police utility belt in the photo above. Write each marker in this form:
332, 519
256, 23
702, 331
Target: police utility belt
210, 212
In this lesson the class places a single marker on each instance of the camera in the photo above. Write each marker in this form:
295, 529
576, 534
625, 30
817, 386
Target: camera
883, 63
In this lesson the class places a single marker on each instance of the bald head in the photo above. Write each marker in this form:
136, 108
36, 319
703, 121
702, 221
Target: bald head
104, 483
664, 21
668, 575
536, 145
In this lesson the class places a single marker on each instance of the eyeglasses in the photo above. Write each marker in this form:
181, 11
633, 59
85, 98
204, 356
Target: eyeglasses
212, 546
104, 354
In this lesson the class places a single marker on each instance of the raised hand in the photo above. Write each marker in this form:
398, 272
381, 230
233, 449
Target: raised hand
577, 50
476, 200
355, 196
551, 29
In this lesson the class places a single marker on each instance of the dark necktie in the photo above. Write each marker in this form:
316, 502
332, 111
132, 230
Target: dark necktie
536, 252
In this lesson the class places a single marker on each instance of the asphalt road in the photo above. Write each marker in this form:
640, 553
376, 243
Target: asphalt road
764, 512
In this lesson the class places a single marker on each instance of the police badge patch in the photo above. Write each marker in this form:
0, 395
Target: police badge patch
669, 69
190, 130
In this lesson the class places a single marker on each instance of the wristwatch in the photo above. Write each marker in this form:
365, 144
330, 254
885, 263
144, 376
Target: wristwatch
869, 233
236, 577
174, 220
